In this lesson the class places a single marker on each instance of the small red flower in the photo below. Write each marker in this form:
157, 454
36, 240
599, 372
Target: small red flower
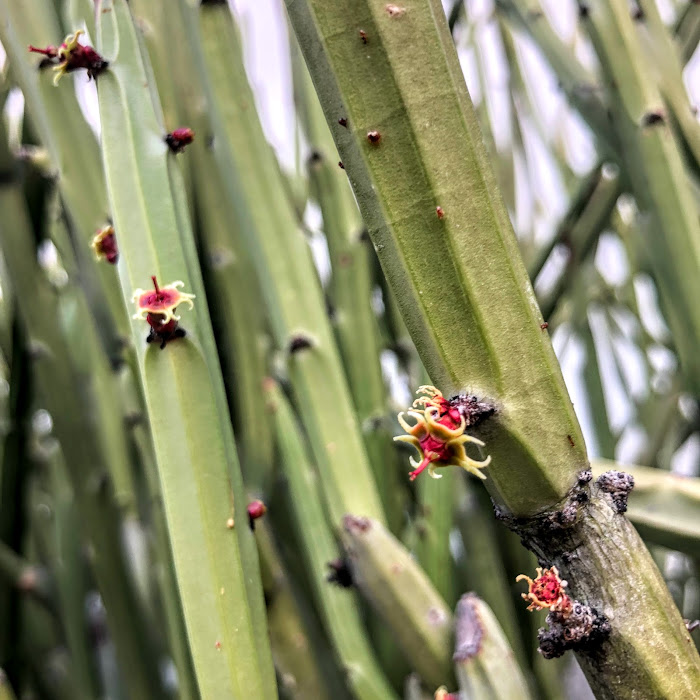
178, 139
105, 245
256, 509
157, 306
546, 591
72, 55
438, 435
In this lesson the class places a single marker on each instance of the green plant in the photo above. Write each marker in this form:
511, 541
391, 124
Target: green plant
197, 469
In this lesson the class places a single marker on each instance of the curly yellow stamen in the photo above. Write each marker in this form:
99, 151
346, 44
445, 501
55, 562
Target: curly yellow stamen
69, 44
438, 436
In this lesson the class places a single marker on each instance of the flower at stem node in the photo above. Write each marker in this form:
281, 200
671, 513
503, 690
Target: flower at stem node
438, 435
256, 509
105, 245
571, 624
178, 139
158, 306
71, 55
546, 591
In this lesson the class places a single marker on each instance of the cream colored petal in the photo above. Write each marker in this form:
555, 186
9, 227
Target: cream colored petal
402, 422
410, 439
431, 471
413, 462
462, 439
187, 298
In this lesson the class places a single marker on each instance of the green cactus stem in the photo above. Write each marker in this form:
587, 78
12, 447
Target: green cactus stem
350, 294
74, 157
292, 293
656, 172
339, 608
468, 304
485, 663
401, 593
69, 389
213, 549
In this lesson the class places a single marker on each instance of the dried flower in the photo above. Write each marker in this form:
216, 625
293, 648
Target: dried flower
438, 435
179, 138
105, 245
340, 573
158, 306
546, 591
72, 55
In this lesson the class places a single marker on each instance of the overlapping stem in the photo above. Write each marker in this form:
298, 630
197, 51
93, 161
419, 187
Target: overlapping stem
350, 292
655, 168
292, 293
216, 567
468, 304
339, 608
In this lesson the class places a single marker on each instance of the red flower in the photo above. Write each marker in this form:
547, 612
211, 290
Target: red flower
546, 591
178, 139
256, 509
439, 436
157, 306
105, 245
72, 55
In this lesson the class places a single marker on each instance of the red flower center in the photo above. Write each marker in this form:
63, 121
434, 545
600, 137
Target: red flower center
547, 588
159, 298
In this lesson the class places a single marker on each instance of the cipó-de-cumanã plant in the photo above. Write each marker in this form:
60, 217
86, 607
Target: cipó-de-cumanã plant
188, 215
469, 306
